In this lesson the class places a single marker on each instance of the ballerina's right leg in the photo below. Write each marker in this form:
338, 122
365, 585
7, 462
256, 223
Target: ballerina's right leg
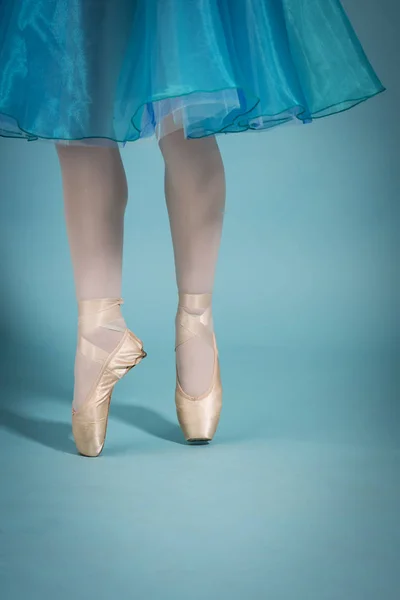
95, 198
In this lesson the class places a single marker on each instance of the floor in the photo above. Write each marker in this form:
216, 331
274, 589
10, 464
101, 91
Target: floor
297, 497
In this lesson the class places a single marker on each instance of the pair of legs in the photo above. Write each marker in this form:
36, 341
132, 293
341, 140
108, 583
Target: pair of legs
95, 196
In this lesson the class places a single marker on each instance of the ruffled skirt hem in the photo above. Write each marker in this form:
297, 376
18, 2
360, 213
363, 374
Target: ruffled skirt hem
155, 119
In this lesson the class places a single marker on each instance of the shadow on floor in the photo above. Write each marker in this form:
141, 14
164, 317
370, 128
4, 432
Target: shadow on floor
150, 422
57, 435
52, 434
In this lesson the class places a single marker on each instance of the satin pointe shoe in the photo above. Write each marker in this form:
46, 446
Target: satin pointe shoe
198, 416
89, 421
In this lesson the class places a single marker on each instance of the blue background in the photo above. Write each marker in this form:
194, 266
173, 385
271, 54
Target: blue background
297, 497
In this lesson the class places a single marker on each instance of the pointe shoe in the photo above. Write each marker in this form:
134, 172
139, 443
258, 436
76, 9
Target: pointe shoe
89, 421
198, 416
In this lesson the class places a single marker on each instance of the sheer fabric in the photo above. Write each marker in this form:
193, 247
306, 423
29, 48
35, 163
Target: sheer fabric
121, 70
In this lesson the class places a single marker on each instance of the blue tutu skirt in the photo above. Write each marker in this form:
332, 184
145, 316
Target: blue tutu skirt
121, 70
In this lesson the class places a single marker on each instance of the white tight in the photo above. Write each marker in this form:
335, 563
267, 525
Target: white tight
95, 197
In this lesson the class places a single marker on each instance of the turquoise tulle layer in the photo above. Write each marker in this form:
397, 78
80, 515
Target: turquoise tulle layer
127, 69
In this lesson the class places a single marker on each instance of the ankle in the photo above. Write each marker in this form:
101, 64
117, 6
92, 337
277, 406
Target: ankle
195, 304
99, 312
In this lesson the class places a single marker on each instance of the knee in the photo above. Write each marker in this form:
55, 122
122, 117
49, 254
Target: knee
193, 162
